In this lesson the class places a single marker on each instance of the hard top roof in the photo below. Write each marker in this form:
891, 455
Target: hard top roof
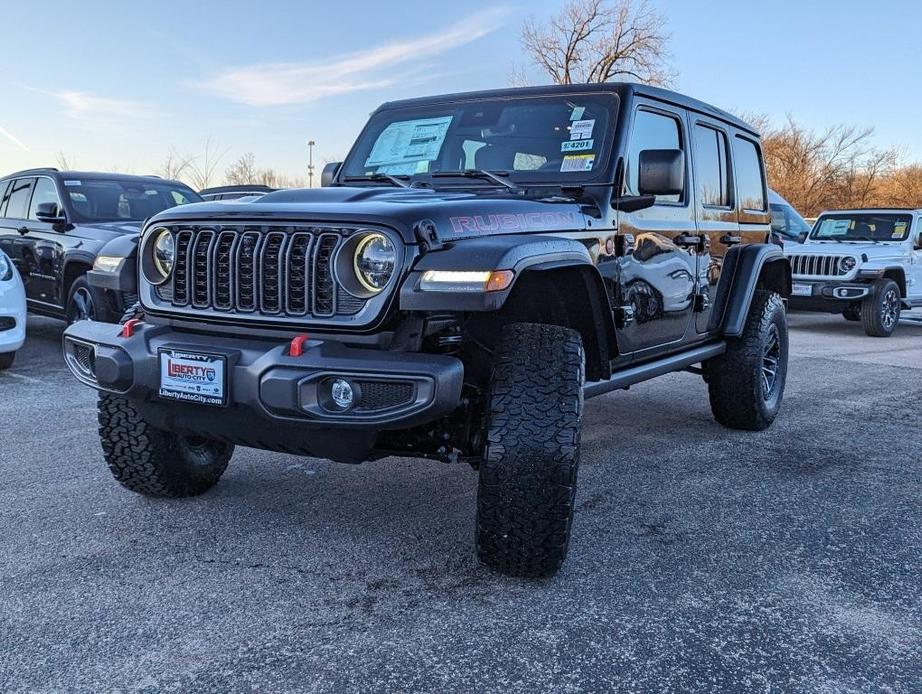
622, 89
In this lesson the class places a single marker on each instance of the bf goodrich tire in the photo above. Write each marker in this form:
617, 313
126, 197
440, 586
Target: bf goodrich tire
880, 310
746, 383
153, 462
528, 474
7, 359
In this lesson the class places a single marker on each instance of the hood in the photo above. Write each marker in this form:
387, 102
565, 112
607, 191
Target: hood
456, 215
867, 251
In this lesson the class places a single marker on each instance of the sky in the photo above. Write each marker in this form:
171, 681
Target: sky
116, 86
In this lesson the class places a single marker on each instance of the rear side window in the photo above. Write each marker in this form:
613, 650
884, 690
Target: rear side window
44, 192
711, 168
19, 195
4, 196
750, 180
651, 131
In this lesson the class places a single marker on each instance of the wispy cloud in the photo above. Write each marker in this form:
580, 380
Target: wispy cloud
276, 84
15, 140
83, 105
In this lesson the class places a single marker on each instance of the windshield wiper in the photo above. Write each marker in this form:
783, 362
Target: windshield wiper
399, 181
479, 173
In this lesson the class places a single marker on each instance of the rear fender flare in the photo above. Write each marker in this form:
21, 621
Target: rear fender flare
746, 269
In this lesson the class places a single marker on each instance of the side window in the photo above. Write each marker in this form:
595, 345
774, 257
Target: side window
44, 192
750, 179
651, 131
4, 196
20, 192
711, 169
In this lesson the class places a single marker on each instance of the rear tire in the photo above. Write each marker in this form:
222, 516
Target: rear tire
528, 474
880, 310
746, 383
153, 462
6, 360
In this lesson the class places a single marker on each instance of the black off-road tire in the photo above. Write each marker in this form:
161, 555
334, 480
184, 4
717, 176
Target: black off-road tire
6, 360
528, 474
880, 310
743, 394
153, 462
852, 313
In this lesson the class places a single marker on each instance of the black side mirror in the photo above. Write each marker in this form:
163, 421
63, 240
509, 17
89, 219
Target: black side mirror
919, 243
50, 212
661, 172
329, 173
802, 237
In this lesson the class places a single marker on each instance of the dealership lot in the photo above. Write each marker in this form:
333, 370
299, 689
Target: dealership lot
702, 557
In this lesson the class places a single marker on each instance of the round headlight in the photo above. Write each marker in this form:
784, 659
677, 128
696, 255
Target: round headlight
847, 264
375, 262
6, 268
164, 253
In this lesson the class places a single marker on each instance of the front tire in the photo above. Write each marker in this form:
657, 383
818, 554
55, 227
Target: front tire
527, 483
746, 383
6, 360
153, 462
80, 302
880, 310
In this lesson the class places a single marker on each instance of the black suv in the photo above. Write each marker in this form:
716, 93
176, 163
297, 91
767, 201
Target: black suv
54, 225
478, 265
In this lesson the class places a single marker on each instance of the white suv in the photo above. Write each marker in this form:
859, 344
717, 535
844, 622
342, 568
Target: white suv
864, 264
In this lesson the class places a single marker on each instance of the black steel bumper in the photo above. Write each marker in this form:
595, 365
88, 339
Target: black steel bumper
272, 400
829, 297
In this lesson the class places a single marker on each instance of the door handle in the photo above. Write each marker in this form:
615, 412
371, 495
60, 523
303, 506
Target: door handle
23, 230
699, 243
729, 240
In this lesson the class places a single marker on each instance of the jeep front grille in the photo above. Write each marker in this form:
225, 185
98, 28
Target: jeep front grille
817, 265
252, 270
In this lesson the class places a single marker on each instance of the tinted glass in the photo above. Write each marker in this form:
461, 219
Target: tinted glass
44, 192
102, 200
4, 197
540, 139
20, 192
651, 131
862, 227
749, 179
711, 167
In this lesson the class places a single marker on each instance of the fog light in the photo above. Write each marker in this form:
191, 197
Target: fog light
342, 394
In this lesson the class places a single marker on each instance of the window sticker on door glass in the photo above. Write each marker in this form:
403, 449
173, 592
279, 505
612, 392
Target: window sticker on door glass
576, 145
582, 129
577, 162
835, 227
73, 183
577, 113
409, 142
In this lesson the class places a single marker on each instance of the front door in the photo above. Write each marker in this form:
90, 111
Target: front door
47, 248
654, 276
914, 283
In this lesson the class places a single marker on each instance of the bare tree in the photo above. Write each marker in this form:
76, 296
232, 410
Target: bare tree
202, 169
600, 41
243, 171
65, 162
175, 166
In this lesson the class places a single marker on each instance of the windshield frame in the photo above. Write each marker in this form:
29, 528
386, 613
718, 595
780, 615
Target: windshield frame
855, 216
78, 217
353, 164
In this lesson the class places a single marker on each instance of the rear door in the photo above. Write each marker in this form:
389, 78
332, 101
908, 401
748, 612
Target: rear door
656, 281
14, 234
914, 288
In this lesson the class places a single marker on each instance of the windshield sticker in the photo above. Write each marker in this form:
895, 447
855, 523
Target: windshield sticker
835, 227
582, 129
578, 112
409, 142
576, 145
73, 183
577, 162
406, 169
899, 230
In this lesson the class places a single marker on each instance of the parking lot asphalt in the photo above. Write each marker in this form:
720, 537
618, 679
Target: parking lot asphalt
703, 559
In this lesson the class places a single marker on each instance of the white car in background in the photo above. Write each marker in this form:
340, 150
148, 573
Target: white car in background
12, 312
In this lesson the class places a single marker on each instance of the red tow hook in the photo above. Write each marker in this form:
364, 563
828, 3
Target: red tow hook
296, 349
129, 326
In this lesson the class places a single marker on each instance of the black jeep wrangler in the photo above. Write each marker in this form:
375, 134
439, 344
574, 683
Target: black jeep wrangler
478, 265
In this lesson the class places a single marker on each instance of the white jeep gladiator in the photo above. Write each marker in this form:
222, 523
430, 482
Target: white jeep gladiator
865, 264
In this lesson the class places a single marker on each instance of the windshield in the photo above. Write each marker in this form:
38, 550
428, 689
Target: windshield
116, 200
549, 139
862, 227
787, 222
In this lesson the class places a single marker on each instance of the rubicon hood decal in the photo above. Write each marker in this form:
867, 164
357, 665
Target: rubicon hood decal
531, 221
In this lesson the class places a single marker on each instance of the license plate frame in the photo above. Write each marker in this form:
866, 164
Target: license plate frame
801, 289
188, 375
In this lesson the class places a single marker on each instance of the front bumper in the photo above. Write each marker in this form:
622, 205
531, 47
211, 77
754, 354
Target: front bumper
826, 296
273, 400
12, 316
